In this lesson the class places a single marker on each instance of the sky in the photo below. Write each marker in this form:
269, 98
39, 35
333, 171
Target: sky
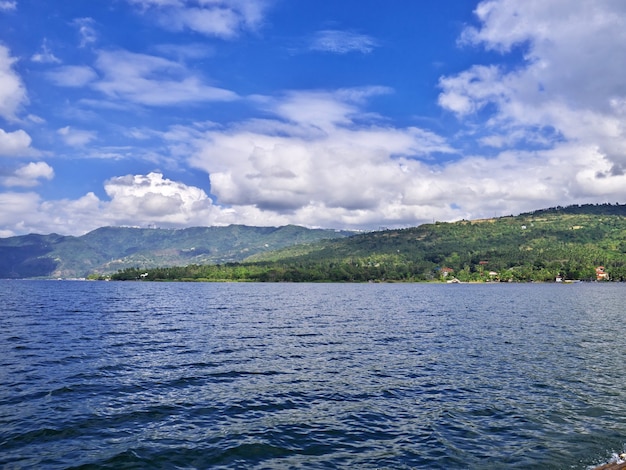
351, 114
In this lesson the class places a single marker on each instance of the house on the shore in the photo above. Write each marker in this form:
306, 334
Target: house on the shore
445, 272
601, 274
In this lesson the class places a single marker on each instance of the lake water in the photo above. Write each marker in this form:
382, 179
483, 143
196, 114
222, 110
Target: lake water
277, 376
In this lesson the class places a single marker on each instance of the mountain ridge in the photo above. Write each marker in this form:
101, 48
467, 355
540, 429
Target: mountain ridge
108, 249
570, 241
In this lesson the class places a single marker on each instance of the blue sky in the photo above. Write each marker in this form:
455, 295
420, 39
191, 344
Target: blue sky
340, 114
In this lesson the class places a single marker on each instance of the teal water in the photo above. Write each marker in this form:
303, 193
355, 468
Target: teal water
278, 376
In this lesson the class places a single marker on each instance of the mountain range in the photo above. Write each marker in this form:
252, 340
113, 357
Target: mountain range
109, 249
570, 242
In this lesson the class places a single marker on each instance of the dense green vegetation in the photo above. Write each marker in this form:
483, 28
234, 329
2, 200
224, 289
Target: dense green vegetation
539, 246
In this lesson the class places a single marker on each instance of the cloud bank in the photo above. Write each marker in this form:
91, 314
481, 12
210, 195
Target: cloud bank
569, 86
544, 122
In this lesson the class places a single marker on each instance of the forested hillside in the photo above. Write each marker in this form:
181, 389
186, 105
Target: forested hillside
567, 242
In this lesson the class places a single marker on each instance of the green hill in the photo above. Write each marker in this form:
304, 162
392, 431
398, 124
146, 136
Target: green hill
564, 241
109, 249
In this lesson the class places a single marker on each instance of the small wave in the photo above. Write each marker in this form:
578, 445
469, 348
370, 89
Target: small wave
250, 452
234, 374
616, 462
191, 456
41, 435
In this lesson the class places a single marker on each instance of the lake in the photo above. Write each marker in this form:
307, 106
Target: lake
277, 376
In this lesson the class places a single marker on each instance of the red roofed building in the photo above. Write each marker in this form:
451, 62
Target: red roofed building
446, 271
601, 274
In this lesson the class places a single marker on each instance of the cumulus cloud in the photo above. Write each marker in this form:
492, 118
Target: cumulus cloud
314, 181
225, 19
15, 144
342, 42
366, 176
136, 200
28, 175
317, 164
152, 80
154, 199
568, 90
320, 158
12, 90
323, 160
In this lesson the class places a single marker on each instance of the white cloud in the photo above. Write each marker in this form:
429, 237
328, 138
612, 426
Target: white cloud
567, 93
35, 171
322, 109
467, 92
72, 75
342, 42
28, 175
152, 81
76, 137
351, 178
140, 79
16, 144
320, 164
320, 167
88, 34
573, 53
12, 90
35, 119
322, 160
19, 213
137, 200
221, 18
45, 55
154, 199
6, 5
67, 216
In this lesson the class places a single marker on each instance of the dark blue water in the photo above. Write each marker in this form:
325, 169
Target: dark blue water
147, 375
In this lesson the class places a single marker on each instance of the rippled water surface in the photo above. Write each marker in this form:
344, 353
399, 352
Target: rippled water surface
177, 375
